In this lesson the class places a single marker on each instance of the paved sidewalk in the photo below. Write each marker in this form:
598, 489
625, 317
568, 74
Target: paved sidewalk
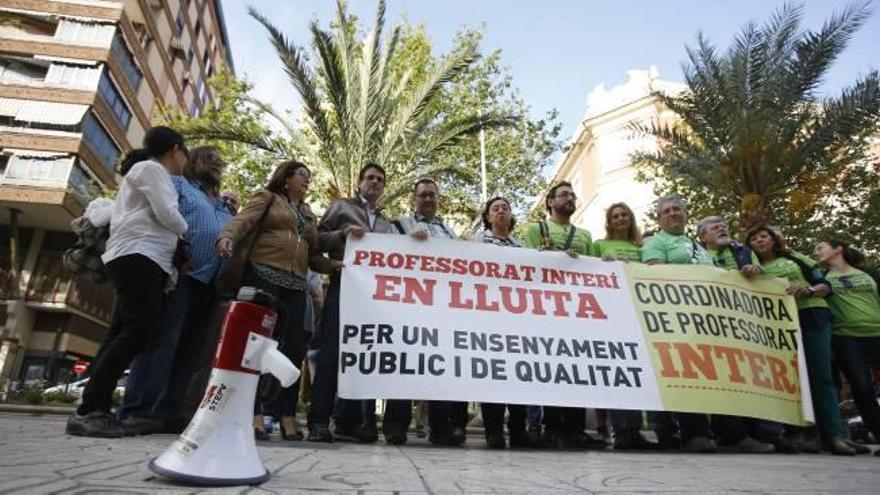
36, 457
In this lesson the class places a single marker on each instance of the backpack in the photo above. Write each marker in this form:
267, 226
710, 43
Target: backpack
92, 230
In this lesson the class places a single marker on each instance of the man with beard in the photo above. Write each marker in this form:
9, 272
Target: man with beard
447, 419
735, 432
159, 377
562, 425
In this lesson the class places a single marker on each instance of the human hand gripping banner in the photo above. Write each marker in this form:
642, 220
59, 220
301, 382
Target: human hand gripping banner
466, 321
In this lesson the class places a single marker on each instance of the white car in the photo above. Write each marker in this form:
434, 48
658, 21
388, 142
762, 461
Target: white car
76, 388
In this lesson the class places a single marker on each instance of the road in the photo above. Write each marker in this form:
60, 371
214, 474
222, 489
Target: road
37, 457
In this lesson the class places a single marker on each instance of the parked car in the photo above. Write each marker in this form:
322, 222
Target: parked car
76, 388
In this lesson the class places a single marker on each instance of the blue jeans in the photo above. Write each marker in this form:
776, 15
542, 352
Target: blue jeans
150, 371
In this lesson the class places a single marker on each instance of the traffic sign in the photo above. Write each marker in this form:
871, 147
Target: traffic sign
80, 367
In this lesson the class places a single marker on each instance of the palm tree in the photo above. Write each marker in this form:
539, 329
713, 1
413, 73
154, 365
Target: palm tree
358, 110
752, 131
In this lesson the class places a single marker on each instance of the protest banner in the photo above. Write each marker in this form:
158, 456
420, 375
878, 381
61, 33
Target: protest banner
454, 320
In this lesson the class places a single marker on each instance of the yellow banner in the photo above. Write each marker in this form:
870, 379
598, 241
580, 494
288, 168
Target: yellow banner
721, 343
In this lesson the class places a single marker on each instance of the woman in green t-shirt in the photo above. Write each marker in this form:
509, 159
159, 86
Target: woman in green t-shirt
809, 289
623, 240
855, 305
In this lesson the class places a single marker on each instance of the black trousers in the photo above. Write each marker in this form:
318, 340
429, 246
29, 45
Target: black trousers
493, 417
446, 415
565, 419
398, 414
855, 356
139, 284
326, 378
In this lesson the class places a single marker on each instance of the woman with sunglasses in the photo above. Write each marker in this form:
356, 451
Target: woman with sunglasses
855, 304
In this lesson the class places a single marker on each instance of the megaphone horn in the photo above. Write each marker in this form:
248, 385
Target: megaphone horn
218, 447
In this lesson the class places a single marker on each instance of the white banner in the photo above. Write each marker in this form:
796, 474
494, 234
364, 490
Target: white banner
456, 320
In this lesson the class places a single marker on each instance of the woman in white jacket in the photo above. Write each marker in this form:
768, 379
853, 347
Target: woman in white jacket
144, 229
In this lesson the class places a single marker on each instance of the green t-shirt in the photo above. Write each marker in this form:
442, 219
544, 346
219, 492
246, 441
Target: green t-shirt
674, 250
558, 235
726, 259
785, 268
617, 249
854, 303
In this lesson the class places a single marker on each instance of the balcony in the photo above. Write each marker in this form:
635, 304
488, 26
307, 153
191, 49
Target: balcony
53, 287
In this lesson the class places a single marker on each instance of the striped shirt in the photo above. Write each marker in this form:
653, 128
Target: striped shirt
205, 217
434, 227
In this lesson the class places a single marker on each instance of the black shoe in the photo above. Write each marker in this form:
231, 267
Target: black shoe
633, 440
369, 432
355, 433
495, 439
443, 436
858, 447
582, 440
522, 440
97, 424
669, 442
134, 426
460, 435
550, 439
784, 445
320, 432
838, 446
395, 438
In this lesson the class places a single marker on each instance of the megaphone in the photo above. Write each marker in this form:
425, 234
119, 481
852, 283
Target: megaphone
218, 447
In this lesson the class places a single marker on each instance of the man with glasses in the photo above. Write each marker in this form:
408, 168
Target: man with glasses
562, 425
447, 419
735, 432
155, 392
355, 216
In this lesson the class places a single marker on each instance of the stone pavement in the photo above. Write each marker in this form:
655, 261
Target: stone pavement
36, 457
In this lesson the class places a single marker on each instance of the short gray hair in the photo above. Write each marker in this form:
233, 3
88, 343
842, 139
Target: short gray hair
670, 198
704, 224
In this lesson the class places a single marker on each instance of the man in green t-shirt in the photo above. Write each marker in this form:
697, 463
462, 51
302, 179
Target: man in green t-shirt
673, 246
734, 431
562, 425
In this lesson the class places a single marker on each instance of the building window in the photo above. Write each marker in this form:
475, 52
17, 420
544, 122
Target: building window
38, 170
4, 159
100, 141
202, 89
180, 22
114, 100
194, 108
126, 60
82, 184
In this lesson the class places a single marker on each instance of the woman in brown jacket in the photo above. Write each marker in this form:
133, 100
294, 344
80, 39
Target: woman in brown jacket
285, 246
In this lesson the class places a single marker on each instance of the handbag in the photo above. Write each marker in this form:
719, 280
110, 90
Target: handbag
232, 272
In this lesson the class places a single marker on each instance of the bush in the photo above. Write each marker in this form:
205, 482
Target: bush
33, 396
62, 397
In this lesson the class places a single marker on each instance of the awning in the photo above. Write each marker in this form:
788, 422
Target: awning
45, 112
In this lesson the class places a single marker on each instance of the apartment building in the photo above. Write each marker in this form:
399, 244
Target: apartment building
598, 160
80, 82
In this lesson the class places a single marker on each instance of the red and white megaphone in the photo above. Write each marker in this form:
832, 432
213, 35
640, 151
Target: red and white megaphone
218, 447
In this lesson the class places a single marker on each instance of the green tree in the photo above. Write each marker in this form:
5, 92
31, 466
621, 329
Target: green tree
356, 112
256, 146
754, 140
516, 156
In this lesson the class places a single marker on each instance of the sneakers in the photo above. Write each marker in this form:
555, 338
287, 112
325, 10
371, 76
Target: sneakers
98, 424
703, 445
133, 426
320, 432
749, 445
